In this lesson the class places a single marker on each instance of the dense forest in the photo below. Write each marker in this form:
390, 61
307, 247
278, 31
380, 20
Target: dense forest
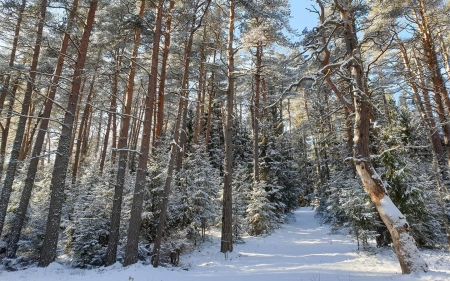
130, 127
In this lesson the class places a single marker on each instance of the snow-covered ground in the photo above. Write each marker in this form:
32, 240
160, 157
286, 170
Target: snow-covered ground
300, 250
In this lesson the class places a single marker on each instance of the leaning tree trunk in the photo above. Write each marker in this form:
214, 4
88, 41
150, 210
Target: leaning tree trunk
131, 248
20, 131
226, 244
407, 253
111, 252
48, 253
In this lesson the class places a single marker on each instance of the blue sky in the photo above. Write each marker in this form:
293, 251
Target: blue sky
301, 17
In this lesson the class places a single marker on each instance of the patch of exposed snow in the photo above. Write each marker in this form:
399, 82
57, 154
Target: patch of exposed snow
301, 250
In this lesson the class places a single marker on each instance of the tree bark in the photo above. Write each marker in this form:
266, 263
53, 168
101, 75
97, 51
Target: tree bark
210, 106
407, 253
20, 131
255, 115
175, 145
160, 112
82, 130
48, 253
111, 115
226, 244
131, 248
425, 112
111, 252
12, 56
6, 127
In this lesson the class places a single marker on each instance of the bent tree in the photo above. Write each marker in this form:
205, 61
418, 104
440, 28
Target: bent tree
348, 67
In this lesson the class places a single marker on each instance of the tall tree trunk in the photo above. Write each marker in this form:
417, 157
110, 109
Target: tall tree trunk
430, 54
111, 116
20, 131
111, 252
210, 106
425, 112
27, 135
314, 143
160, 112
200, 91
444, 52
135, 130
131, 248
255, 115
226, 244
6, 127
82, 130
407, 253
174, 147
77, 115
48, 253
12, 56
99, 132
185, 96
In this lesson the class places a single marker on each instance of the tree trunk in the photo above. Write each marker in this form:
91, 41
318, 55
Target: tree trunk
174, 147
131, 248
426, 113
111, 114
200, 91
77, 115
48, 253
226, 244
160, 112
255, 115
14, 157
111, 252
82, 130
12, 56
407, 253
27, 135
5, 129
185, 96
210, 106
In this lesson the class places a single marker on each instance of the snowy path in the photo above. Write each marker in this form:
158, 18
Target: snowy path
301, 250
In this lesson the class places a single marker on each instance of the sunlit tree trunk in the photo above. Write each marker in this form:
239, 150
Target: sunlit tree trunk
48, 253
111, 252
12, 56
5, 128
111, 124
407, 253
176, 143
131, 248
83, 129
20, 131
226, 242
210, 106
160, 112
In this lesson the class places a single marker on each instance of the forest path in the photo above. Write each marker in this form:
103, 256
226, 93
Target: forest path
301, 250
